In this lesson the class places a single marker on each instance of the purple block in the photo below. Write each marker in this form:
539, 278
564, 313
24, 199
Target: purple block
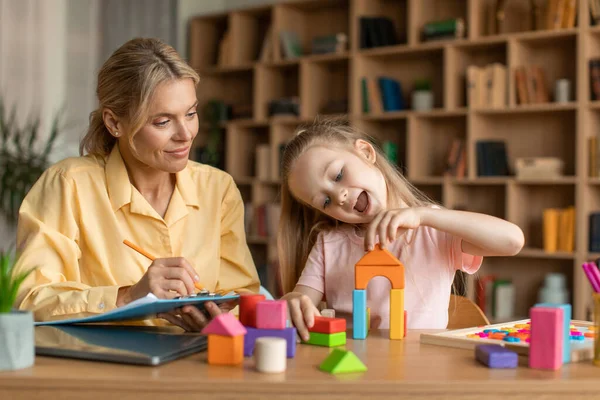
289, 334
496, 356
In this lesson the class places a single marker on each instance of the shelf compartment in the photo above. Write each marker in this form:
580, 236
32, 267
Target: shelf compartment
537, 198
205, 35
324, 89
433, 191
234, 88
554, 54
527, 275
273, 83
485, 199
281, 133
390, 131
430, 140
395, 10
241, 144
461, 57
591, 205
543, 134
426, 11
309, 20
248, 32
406, 68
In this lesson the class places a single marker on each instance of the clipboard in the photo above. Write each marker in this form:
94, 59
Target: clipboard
145, 308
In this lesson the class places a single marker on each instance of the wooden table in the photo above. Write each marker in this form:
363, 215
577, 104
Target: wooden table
397, 370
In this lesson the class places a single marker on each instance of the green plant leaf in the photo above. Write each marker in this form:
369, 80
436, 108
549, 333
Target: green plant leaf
10, 282
22, 161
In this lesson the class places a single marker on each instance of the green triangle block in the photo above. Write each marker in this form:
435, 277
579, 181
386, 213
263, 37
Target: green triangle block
341, 361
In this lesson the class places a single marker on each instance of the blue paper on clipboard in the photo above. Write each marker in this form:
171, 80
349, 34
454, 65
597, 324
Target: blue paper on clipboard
144, 308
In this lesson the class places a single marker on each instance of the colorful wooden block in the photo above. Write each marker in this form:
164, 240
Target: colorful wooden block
225, 350
271, 314
326, 339
248, 304
359, 313
328, 325
342, 361
396, 314
546, 346
328, 313
270, 354
289, 334
378, 262
567, 312
225, 324
496, 356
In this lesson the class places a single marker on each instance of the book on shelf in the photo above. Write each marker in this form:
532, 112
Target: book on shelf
266, 51
531, 84
381, 94
326, 44
454, 28
495, 296
456, 163
561, 14
377, 31
594, 233
224, 57
594, 67
290, 44
593, 164
263, 162
261, 220
492, 159
594, 6
486, 87
559, 229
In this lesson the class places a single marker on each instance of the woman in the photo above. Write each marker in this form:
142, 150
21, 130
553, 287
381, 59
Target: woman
135, 183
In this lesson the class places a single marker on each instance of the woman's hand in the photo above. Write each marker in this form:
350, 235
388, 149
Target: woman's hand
191, 319
390, 225
302, 312
166, 278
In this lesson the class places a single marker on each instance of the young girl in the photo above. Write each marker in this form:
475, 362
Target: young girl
340, 197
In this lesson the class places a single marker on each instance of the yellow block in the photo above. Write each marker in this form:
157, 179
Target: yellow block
396, 314
368, 319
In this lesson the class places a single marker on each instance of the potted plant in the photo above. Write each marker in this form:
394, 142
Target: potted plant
17, 343
23, 158
422, 96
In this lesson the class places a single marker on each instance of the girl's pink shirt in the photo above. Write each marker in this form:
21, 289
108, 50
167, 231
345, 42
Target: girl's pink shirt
430, 258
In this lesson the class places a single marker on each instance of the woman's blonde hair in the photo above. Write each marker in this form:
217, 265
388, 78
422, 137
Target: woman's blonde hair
300, 224
126, 83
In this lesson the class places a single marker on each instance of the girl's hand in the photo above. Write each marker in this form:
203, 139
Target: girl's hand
301, 312
192, 319
390, 225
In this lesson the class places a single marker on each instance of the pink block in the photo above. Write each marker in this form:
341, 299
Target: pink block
545, 348
271, 314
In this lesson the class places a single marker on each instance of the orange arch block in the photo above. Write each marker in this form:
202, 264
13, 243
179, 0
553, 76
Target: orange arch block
378, 262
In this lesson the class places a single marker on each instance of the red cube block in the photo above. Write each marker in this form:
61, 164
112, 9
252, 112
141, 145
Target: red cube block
328, 325
248, 304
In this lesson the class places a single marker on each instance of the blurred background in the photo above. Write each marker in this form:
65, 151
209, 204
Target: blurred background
485, 105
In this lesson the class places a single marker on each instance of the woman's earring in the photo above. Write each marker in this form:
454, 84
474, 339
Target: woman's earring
116, 134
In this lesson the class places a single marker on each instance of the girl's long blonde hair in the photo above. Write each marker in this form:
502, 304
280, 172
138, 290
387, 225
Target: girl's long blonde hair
300, 224
126, 83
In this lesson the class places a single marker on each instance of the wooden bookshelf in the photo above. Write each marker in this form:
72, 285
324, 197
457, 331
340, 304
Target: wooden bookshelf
532, 130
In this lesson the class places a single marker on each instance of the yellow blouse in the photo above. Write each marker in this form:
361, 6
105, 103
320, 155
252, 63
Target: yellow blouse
73, 222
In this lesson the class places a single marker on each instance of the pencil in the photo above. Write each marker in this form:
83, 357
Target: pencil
139, 250
152, 258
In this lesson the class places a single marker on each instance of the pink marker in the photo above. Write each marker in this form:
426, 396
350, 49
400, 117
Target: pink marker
593, 275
